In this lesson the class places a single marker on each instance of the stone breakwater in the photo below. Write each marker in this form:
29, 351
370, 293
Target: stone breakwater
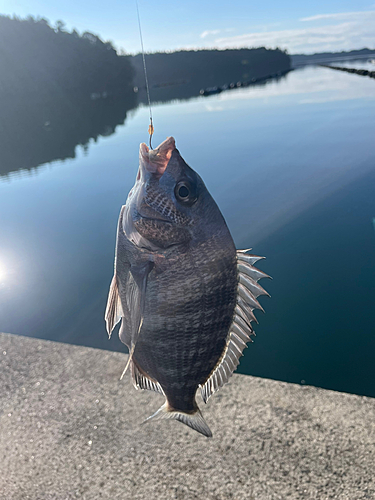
363, 72
70, 429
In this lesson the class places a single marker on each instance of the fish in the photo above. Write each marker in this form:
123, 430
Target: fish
183, 293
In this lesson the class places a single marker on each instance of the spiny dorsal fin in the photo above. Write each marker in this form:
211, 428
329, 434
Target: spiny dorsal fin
142, 381
240, 330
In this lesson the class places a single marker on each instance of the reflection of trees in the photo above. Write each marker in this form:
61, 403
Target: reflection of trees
35, 130
187, 90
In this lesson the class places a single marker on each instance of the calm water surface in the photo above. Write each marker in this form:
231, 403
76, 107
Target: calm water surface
292, 167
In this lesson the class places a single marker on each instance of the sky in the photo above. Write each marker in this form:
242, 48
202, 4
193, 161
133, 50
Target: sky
298, 26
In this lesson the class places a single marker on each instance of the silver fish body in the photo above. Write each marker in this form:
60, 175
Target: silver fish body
183, 293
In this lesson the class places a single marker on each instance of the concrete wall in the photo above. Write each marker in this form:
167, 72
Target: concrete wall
69, 429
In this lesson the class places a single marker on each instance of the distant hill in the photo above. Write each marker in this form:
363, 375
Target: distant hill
323, 57
183, 73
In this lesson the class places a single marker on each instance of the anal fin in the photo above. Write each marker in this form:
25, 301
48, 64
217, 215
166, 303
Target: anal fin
143, 381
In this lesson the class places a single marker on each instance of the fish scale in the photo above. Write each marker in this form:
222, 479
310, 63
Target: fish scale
184, 296
182, 342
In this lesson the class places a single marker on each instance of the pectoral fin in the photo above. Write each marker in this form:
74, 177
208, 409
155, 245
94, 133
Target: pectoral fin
113, 310
135, 297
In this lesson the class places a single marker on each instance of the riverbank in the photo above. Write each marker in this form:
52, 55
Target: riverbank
70, 429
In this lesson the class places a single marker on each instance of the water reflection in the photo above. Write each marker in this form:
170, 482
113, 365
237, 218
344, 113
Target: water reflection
368, 64
184, 91
40, 129
37, 129
291, 165
3, 273
312, 84
8, 276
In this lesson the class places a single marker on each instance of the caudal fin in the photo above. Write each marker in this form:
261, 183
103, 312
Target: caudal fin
194, 420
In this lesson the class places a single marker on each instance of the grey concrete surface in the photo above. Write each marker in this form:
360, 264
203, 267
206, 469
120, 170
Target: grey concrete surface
69, 429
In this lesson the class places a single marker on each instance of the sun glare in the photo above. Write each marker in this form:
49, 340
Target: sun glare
3, 271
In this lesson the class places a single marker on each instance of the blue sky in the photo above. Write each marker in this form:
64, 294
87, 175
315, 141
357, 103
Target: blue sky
299, 26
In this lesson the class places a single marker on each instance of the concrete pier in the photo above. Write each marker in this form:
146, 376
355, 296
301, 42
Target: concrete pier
70, 429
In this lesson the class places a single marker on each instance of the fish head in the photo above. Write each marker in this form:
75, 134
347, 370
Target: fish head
169, 203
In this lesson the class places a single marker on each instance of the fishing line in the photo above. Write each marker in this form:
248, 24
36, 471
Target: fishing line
151, 126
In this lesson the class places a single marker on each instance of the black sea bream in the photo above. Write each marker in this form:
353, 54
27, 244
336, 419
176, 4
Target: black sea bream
184, 294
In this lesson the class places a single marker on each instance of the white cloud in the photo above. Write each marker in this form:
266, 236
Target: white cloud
208, 33
356, 32
339, 15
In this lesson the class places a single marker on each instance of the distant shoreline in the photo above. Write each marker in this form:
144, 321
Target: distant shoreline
362, 72
329, 57
254, 81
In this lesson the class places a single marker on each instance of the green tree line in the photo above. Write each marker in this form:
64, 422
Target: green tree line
35, 57
208, 68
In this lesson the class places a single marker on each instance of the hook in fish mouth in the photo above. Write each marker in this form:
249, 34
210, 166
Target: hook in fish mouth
156, 160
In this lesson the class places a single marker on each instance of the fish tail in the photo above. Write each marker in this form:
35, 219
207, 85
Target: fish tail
194, 420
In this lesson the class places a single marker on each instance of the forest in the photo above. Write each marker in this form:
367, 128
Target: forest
35, 57
186, 72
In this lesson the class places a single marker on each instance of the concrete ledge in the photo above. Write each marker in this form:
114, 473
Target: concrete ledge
69, 429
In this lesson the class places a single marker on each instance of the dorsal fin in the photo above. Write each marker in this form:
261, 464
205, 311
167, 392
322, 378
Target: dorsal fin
143, 381
240, 330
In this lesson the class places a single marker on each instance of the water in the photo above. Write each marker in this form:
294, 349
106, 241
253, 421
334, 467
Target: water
291, 165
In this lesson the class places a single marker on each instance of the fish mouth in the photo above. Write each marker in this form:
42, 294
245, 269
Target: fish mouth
155, 161
151, 219
160, 233
152, 216
147, 212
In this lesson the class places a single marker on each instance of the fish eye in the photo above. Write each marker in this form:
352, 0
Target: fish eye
184, 192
